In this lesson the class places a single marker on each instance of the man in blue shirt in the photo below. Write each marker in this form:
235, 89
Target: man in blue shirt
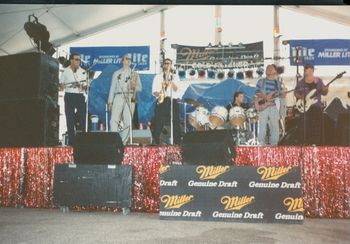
267, 89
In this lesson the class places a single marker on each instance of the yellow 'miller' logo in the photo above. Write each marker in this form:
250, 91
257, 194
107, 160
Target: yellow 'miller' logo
164, 168
272, 173
175, 201
294, 204
211, 172
236, 202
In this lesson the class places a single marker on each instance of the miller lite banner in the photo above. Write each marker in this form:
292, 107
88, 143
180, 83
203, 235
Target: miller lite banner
98, 58
320, 52
231, 193
248, 55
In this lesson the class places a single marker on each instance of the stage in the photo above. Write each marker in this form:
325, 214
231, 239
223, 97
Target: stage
26, 174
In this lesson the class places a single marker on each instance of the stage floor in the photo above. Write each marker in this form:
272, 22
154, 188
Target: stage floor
52, 226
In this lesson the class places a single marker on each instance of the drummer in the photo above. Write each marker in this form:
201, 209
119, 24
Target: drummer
238, 98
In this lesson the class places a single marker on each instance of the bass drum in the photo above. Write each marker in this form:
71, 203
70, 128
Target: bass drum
218, 116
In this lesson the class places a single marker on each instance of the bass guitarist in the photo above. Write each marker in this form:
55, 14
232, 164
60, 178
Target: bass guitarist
267, 89
310, 126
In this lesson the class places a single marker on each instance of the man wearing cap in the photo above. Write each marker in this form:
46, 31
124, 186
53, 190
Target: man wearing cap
125, 84
310, 127
165, 87
73, 82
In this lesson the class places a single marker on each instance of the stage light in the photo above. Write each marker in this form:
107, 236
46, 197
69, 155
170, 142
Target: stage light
240, 75
182, 74
201, 73
221, 75
211, 74
249, 74
260, 71
192, 72
230, 74
38, 32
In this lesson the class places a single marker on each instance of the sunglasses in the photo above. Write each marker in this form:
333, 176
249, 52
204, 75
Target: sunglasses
167, 63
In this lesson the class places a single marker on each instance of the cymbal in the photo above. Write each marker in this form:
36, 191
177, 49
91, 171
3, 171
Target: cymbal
193, 102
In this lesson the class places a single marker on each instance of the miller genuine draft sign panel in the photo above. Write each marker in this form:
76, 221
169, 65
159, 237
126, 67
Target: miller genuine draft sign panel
230, 193
248, 55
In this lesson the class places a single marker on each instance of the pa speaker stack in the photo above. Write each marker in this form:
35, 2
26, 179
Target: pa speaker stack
215, 147
29, 113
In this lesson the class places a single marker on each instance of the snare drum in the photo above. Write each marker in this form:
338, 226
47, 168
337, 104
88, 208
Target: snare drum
198, 118
218, 116
236, 116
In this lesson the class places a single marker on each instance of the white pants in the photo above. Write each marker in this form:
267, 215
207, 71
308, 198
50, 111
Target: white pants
121, 113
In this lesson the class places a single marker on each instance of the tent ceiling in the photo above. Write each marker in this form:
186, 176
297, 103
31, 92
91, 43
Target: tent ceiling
337, 14
64, 22
71, 22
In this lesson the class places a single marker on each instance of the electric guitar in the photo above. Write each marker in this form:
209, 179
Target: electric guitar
261, 103
303, 105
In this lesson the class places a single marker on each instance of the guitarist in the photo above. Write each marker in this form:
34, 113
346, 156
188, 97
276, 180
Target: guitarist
266, 90
310, 126
71, 81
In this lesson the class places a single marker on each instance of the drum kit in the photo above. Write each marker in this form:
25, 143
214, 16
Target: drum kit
244, 123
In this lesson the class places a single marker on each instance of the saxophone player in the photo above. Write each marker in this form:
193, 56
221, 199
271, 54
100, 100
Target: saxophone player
163, 88
125, 83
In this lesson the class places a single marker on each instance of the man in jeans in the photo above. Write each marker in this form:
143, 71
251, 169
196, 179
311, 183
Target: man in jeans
267, 89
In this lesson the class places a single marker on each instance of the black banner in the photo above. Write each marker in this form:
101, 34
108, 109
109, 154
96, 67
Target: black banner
225, 57
230, 193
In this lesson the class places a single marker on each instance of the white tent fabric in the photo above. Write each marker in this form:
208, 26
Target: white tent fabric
68, 23
64, 22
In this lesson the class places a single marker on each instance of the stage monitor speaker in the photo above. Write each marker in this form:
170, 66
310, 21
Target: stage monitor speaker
28, 75
98, 148
335, 108
343, 129
28, 123
215, 147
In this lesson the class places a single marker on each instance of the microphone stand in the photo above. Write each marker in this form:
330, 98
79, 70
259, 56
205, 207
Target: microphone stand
171, 113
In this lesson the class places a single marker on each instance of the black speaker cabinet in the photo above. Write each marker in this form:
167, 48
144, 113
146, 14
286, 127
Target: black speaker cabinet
28, 75
28, 123
92, 185
214, 147
98, 148
343, 129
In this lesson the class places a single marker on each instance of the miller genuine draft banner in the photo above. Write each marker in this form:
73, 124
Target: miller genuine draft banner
230, 193
226, 57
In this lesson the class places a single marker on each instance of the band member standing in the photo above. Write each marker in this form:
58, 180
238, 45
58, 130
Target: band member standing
266, 90
164, 87
121, 99
311, 123
238, 98
73, 81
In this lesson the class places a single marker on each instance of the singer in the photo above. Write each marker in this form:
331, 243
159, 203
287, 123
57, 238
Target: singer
73, 81
122, 97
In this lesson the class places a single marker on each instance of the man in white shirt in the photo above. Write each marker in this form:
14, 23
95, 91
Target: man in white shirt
73, 81
121, 99
164, 87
